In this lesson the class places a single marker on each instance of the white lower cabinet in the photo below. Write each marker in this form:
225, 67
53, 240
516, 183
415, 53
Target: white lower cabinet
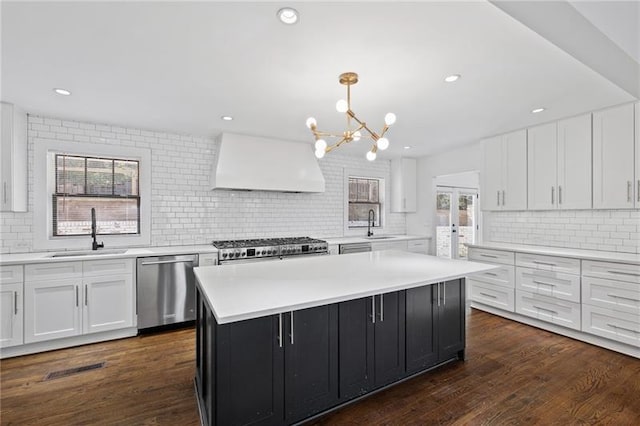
550, 309
620, 326
418, 246
389, 245
99, 299
497, 296
495, 288
11, 314
549, 283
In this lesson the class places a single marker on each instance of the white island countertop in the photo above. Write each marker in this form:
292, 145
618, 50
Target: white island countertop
252, 290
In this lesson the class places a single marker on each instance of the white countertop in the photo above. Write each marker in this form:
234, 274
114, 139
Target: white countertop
606, 256
40, 257
381, 238
252, 290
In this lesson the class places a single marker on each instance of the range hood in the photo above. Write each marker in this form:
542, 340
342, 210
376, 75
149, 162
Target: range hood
255, 163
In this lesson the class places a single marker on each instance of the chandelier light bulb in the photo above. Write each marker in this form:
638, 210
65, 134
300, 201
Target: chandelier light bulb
371, 155
311, 122
342, 106
390, 118
356, 136
321, 145
319, 153
383, 143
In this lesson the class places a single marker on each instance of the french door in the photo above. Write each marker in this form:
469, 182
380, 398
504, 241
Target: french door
456, 220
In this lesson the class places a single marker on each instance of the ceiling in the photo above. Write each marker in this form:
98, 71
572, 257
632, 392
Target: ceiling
180, 66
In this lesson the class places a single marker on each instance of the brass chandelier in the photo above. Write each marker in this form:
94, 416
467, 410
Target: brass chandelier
351, 134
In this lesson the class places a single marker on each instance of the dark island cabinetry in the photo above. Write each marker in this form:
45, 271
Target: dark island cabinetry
283, 368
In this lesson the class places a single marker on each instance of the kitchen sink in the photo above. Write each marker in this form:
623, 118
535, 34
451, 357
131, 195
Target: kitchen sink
87, 253
380, 237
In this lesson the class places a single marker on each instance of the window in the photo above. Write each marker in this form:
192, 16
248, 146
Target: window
109, 185
364, 195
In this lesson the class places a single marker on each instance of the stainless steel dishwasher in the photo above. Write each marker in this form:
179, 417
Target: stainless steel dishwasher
354, 248
166, 290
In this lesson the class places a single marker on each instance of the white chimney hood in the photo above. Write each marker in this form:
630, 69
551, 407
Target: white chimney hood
248, 162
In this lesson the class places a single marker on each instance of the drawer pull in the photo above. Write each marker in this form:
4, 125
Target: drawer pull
617, 327
491, 274
623, 297
489, 295
488, 255
542, 282
632, 274
545, 309
537, 262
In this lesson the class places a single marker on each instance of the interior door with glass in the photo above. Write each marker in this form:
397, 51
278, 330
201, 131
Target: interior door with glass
456, 216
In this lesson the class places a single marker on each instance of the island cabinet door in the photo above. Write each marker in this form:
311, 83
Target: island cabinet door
311, 361
451, 319
421, 328
355, 338
249, 368
205, 357
389, 338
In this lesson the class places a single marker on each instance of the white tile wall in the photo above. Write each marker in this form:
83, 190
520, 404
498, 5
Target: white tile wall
608, 230
184, 210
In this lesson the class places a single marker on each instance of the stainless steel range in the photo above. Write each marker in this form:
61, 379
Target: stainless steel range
268, 248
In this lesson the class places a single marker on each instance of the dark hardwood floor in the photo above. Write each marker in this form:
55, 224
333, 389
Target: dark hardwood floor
514, 374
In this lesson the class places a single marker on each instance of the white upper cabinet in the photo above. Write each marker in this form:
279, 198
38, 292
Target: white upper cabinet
637, 174
613, 158
403, 185
505, 172
559, 164
13, 150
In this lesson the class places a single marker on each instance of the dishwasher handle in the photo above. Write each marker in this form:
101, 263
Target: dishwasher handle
159, 262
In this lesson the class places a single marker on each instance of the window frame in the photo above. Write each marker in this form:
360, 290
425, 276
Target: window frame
383, 198
378, 203
44, 185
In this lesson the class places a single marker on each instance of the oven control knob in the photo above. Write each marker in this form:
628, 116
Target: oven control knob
224, 255
244, 253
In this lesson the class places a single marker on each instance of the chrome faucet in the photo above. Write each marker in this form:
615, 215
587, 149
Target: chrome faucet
370, 222
95, 245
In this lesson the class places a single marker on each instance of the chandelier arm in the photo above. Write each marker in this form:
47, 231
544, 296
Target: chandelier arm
384, 130
317, 134
374, 135
335, 145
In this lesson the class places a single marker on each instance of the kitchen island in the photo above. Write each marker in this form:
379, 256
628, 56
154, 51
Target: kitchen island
279, 342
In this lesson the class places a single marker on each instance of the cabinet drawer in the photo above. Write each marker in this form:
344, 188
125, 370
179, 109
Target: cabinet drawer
549, 283
207, 259
492, 295
549, 263
11, 274
617, 271
617, 295
418, 246
613, 325
390, 245
491, 256
502, 276
51, 271
560, 312
92, 268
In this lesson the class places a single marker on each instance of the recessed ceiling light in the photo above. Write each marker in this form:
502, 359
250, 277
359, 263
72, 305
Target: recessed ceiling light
537, 110
226, 118
451, 78
63, 92
407, 147
288, 15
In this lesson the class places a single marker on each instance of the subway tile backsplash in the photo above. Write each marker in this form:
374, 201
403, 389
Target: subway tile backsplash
608, 230
184, 210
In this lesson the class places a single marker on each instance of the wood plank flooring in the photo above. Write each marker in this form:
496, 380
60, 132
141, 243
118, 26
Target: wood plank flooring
514, 374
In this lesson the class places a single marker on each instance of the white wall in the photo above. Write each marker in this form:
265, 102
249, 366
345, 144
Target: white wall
465, 159
184, 210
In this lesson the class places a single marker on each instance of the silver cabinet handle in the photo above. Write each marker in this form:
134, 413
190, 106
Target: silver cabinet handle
489, 295
444, 294
542, 282
623, 297
280, 330
15, 302
623, 328
291, 334
537, 262
498, 193
86, 295
159, 262
438, 293
638, 190
491, 274
552, 195
545, 309
4, 192
77, 302
624, 273
382, 308
404, 203
503, 199
559, 194
628, 191
488, 255
373, 309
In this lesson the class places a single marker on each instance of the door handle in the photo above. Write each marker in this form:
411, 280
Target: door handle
623, 328
498, 193
628, 191
77, 304
638, 191
280, 330
4, 192
559, 194
86, 295
444, 294
503, 197
373, 309
438, 293
15, 302
291, 334
382, 308
552, 195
